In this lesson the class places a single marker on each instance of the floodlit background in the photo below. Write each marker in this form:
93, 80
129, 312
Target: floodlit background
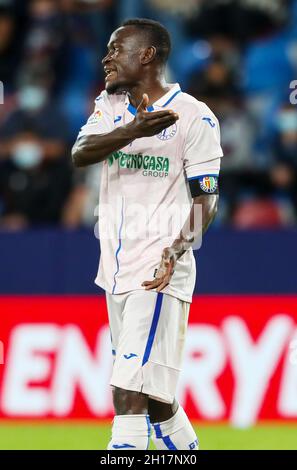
239, 383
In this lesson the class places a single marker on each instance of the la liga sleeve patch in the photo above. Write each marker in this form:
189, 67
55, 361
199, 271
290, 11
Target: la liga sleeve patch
95, 117
206, 184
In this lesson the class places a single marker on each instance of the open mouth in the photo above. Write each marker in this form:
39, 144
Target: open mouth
110, 73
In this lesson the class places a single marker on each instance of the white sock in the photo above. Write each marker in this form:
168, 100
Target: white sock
175, 434
130, 432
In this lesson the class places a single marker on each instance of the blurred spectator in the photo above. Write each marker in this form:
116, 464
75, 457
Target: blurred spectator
262, 213
238, 56
45, 42
285, 141
82, 204
35, 167
10, 51
239, 19
175, 6
88, 26
283, 173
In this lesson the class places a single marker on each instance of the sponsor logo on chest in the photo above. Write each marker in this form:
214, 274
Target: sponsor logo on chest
149, 164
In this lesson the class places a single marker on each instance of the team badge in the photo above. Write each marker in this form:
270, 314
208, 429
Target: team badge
208, 184
96, 116
168, 133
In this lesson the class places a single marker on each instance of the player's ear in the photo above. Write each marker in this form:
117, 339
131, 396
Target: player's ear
147, 55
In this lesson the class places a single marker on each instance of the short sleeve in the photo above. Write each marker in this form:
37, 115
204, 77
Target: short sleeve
101, 121
202, 143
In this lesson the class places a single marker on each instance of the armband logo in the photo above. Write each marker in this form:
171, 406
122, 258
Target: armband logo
208, 184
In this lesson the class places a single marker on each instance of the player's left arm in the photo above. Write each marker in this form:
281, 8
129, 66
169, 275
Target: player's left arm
201, 158
193, 229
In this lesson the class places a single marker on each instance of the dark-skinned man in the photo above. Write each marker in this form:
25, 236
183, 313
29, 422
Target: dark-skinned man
161, 154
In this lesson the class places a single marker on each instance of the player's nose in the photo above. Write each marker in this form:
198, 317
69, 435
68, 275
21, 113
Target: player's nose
106, 59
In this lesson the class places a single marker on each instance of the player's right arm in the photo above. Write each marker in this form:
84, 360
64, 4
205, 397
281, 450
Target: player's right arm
94, 148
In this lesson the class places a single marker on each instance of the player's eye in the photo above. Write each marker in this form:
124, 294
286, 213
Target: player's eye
112, 50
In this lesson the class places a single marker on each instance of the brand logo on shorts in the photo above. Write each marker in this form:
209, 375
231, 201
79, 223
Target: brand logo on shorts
168, 133
128, 356
193, 445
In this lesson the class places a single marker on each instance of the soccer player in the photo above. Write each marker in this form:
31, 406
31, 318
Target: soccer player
160, 150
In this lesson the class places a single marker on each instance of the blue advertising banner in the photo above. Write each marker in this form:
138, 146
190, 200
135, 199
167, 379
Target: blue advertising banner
55, 261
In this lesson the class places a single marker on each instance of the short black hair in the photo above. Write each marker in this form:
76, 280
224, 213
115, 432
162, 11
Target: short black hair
158, 35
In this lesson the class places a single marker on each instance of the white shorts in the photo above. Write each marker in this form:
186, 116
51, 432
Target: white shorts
148, 334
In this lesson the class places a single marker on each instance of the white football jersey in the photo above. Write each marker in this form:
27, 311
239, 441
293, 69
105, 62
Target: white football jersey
144, 192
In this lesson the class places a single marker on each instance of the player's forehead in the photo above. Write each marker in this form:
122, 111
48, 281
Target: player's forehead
125, 35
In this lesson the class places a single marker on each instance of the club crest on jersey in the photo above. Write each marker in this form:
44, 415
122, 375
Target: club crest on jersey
96, 116
168, 133
208, 184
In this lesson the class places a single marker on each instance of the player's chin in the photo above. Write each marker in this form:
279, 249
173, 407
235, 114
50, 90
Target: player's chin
113, 86
116, 86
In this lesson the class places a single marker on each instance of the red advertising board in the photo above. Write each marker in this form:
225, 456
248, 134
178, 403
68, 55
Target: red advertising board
240, 361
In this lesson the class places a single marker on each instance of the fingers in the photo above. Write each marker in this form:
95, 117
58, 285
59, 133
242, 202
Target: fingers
160, 282
159, 114
144, 103
157, 284
145, 100
152, 123
160, 124
162, 286
148, 283
152, 284
162, 120
164, 273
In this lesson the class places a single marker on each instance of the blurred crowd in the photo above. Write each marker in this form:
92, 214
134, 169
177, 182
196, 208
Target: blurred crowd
239, 56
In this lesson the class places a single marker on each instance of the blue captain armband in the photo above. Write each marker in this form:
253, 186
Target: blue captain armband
205, 184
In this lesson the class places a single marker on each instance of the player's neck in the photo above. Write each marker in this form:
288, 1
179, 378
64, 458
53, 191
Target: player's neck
155, 89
